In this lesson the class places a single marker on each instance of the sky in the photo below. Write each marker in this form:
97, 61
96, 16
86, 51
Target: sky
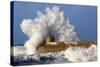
83, 17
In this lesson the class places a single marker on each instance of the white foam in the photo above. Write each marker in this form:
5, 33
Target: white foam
18, 50
79, 54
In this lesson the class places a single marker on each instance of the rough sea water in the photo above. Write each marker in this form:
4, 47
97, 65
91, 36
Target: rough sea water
40, 58
51, 21
72, 54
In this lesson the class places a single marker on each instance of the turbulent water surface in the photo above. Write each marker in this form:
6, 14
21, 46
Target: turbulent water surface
40, 58
72, 54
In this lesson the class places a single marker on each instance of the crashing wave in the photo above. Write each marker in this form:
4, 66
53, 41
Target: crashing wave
79, 54
53, 22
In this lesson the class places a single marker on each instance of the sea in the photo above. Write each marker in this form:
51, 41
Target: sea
39, 58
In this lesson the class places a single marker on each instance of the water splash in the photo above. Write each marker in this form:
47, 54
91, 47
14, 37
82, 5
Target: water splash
79, 54
53, 22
